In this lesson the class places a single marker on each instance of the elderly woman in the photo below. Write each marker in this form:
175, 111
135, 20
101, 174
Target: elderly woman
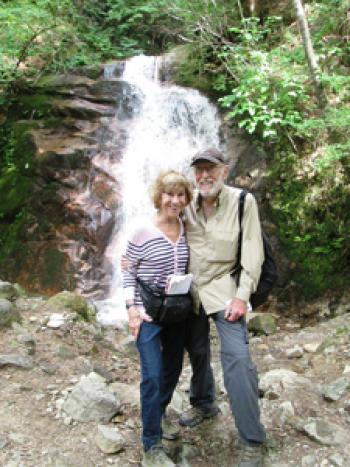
156, 250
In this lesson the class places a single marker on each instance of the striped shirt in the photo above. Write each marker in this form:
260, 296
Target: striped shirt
152, 257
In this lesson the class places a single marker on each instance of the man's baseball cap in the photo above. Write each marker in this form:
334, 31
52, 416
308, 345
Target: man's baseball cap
209, 155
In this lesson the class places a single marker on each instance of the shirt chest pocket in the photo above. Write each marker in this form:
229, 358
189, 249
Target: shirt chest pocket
223, 246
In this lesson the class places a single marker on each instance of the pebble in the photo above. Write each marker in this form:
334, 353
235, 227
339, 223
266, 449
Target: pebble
295, 352
336, 460
67, 420
3, 443
311, 347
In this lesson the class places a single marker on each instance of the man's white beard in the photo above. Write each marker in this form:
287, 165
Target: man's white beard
215, 189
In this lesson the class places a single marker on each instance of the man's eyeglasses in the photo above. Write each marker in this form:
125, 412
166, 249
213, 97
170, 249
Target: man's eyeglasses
210, 168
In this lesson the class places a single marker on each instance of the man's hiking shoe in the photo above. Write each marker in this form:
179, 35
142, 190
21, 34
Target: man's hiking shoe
195, 415
156, 457
169, 429
252, 456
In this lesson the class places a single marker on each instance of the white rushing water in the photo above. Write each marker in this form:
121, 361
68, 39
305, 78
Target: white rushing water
172, 125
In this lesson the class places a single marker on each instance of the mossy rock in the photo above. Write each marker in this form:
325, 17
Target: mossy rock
8, 314
8, 291
262, 323
38, 105
21, 292
73, 302
91, 71
38, 265
56, 83
15, 190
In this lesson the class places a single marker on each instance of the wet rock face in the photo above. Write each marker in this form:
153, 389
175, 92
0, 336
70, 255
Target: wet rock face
71, 147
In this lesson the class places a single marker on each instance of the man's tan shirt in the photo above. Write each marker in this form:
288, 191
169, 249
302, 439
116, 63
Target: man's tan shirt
213, 246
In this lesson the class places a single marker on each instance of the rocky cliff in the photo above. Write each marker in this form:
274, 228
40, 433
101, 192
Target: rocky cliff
69, 133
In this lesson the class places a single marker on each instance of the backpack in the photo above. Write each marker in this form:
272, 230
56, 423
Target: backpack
268, 275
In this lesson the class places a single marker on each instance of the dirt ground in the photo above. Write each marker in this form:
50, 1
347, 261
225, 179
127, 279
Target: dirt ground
33, 433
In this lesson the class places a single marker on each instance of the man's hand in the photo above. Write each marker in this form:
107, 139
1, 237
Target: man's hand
235, 309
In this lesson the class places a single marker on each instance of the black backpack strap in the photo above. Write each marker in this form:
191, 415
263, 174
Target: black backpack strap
242, 196
238, 267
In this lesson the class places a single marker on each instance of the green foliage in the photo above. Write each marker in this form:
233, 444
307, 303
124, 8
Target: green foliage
308, 207
193, 72
11, 235
51, 35
264, 97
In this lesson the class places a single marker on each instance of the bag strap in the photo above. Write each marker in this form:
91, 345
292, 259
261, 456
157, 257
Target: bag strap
238, 267
150, 288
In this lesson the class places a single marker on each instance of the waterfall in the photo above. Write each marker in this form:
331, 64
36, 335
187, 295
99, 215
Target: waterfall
172, 124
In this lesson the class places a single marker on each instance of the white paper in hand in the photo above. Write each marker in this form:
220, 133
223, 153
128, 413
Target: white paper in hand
179, 284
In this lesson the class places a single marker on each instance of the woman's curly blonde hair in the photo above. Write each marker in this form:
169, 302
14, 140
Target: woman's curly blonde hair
168, 181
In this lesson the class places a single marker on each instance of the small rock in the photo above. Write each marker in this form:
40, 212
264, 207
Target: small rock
330, 350
312, 347
102, 371
126, 393
56, 320
48, 368
326, 433
65, 353
269, 359
109, 440
295, 352
179, 401
346, 370
28, 341
3, 443
285, 411
19, 361
91, 400
292, 326
272, 395
282, 379
130, 424
67, 420
18, 438
309, 461
39, 397
336, 460
336, 389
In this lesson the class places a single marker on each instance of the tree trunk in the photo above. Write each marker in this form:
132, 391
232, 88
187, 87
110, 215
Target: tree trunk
309, 51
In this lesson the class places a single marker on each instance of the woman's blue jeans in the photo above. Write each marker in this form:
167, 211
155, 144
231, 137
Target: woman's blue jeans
161, 351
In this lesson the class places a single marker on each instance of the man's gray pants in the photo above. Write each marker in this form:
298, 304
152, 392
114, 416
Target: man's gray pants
240, 375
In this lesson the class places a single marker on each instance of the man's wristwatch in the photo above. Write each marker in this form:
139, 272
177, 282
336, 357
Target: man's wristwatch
129, 305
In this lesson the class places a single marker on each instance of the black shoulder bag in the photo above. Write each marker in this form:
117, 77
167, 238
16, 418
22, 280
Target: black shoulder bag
165, 308
268, 274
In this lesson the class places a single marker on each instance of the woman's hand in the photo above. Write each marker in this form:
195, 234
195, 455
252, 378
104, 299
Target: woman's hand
124, 263
134, 321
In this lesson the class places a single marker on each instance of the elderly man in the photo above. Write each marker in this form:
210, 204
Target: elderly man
212, 231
